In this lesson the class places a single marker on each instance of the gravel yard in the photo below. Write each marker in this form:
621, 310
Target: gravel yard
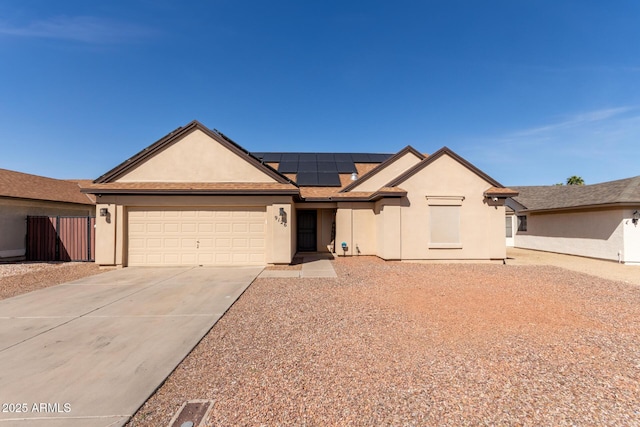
20, 278
418, 344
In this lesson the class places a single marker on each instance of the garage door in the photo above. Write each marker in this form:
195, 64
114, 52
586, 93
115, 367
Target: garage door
191, 236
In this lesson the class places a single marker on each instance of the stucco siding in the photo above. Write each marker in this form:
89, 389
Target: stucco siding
112, 233
596, 234
196, 158
356, 226
631, 232
13, 225
447, 182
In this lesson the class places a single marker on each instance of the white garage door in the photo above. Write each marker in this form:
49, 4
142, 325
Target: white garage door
192, 236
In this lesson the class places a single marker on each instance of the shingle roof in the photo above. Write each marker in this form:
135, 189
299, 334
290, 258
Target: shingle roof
25, 186
622, 191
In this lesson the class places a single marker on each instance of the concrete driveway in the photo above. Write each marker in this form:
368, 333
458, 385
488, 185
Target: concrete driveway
90, 352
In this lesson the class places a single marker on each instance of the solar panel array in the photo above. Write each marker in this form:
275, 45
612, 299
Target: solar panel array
319, 169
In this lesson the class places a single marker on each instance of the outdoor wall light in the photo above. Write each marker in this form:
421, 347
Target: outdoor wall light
282, 217
635, 218
104, 212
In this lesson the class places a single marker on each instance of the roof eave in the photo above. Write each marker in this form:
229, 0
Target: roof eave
244, 192
89, 202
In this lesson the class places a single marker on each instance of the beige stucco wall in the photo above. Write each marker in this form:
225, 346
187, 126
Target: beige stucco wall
356, 226
195, 158
631, 233
325, 222
596, 233
388, 214
386, 175
13, 216
111, 231
481, 225
399, 228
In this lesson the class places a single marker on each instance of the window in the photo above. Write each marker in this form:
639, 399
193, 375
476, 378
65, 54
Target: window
509, 225
522, 223
445, 227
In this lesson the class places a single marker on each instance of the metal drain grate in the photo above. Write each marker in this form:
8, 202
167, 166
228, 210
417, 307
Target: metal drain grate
191, 414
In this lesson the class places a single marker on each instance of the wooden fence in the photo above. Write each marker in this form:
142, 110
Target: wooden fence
61, 238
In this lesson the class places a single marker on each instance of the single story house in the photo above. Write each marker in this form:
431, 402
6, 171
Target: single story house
597, 221
195, 197
23, 195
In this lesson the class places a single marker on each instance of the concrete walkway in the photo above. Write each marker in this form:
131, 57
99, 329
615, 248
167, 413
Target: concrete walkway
313, 265
91, 352
597, 267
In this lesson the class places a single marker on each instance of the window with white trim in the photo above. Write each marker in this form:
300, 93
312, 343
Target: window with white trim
509, 225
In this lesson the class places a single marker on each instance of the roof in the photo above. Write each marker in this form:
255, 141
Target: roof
176, 135
312, 176
34, 187
383, 165
622, 191
433, 157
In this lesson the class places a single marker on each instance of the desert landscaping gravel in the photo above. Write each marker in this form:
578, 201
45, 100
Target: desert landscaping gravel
418, 344
20, 278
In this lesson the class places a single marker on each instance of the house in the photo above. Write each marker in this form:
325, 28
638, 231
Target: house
598, 220
23, 195
195, 197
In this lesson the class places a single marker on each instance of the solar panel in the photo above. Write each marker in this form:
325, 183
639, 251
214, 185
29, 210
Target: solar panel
288, 167
325, 157
328, 179
327, 167
304, 166
271, 157
289, 157
307, 157
343, 157
346, 167
379, 158
307, 178
360, 158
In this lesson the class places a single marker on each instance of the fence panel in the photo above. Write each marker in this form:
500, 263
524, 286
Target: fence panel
60, 238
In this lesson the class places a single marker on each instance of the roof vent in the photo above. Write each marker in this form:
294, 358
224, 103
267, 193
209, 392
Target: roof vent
354, 176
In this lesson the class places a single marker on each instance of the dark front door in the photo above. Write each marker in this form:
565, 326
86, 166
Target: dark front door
306, 231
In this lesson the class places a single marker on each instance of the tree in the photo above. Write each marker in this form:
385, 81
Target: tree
575, 180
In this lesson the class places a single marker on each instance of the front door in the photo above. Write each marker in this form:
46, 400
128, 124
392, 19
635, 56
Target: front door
306, 231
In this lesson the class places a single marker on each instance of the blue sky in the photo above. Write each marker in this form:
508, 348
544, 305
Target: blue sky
531, 92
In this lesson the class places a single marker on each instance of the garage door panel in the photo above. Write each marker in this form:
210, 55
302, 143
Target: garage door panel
223, 236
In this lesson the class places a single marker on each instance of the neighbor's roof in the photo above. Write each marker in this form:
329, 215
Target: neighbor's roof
622, 191
25, 186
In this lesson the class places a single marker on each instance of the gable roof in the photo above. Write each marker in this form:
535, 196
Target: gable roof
551, 197
435, 156
173, 137
34, 187
383, 165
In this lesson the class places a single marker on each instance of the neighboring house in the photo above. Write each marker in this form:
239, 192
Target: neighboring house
23, 195
195, 197
598, 220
